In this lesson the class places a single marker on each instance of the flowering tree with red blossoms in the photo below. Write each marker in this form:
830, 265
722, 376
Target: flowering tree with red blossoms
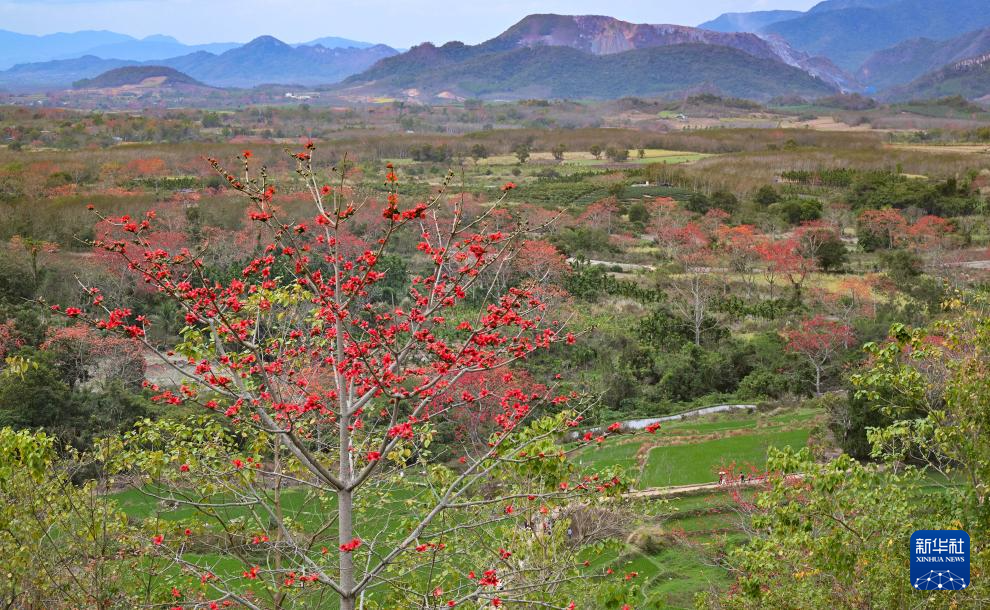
313, 468
819, 339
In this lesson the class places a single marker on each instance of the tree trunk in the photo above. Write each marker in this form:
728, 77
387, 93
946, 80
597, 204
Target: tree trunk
699, 310
345, 515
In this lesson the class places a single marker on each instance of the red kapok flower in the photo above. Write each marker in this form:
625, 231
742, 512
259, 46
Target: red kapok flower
351, 546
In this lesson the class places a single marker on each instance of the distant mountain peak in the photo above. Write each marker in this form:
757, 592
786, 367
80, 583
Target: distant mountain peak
160, 38
747, 22
553, 55
604, 35
266, 41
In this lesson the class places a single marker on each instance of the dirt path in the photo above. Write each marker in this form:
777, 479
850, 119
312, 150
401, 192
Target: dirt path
672, 491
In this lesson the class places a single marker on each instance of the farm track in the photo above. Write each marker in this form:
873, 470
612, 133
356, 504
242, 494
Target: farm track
673, 491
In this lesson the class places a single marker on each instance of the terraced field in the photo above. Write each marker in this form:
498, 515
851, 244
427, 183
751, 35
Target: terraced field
672, 545
688, 534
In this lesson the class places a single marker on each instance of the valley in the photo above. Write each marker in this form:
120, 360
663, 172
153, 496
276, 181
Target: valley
374, 309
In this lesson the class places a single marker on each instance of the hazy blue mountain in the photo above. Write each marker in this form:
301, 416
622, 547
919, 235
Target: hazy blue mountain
336, 42
747, 22
969, 78
23, 48
56, 74
265, 60
911, 59
835, 5
848, 36
154, 47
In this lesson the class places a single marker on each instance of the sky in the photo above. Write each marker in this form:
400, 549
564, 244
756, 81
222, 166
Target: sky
399, 23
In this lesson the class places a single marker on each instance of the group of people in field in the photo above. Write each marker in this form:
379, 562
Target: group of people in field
724, 477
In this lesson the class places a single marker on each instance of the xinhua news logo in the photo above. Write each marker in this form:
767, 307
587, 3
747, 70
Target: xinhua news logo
939, 560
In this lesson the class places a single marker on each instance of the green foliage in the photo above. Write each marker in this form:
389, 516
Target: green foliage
826, 176
638, 213
905, 269
581, 241
767, 309
662, 331
16, 281
592, 282
38, 395
428, 152
556, 192
831, 254
796, 210
693, 372
616, 154
879, 190
211, 120
698, 203
839, 540
521, 152
724, 200
850, 420
63, 544
766, 195
478, 152
902, 266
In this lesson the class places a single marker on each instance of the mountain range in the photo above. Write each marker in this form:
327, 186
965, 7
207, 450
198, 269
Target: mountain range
850, 35
913, 58
26, 48
885, 48
886, 44
263, 60
595, 56
747, 22
969, 78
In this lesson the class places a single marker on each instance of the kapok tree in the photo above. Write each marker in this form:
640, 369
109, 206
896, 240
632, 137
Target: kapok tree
784, 258
819, 339
694, 294
740, 244
312, 475
881, 229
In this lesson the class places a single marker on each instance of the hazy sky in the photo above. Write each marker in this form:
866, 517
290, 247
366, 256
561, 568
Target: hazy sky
396, 22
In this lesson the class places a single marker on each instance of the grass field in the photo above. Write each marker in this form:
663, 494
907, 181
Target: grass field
691, 451
702, 526
699, 462
695, 528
